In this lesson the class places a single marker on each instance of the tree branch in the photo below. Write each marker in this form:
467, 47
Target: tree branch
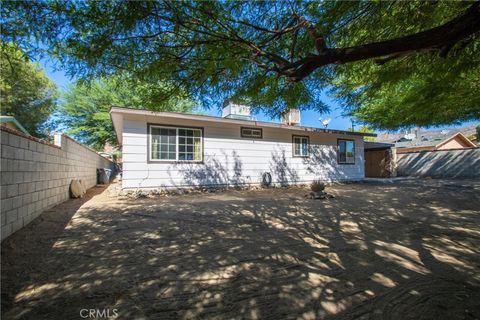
440, 38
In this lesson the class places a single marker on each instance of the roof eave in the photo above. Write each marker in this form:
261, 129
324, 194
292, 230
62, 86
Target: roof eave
184, 116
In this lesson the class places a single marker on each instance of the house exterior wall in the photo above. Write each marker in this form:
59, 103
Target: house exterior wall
230, 159
36, 175
455, 143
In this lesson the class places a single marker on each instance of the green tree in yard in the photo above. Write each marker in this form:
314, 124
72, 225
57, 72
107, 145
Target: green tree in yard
84, 107
392, 63
365, 129
26, 93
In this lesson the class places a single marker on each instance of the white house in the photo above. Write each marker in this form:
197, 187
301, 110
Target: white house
171, 150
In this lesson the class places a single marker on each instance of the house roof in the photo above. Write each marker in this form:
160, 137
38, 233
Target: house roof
10, 119
436, 141
116, 112
371, 145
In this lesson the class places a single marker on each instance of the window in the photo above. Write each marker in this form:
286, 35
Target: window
346, 151
251, 133
175, 144
301, 146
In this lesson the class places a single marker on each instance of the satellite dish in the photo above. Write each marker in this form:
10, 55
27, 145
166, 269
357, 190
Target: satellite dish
410, 136
325, 121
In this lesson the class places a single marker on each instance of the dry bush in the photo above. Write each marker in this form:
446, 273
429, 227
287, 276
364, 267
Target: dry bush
317, 186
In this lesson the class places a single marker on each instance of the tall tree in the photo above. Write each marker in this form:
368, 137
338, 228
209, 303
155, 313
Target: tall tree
84, 108
26, 93
276, 54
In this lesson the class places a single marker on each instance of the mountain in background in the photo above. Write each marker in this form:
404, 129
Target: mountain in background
469, 131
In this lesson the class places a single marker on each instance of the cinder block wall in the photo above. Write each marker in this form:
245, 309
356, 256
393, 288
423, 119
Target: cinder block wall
36, 175
462, 163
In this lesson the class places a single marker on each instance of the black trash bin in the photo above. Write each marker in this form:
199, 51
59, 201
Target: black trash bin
103, 175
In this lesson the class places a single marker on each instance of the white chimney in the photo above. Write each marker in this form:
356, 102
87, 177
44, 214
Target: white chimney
236, 111
292, 117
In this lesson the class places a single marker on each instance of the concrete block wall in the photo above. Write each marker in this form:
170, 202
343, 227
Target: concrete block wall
460, 163
36, 175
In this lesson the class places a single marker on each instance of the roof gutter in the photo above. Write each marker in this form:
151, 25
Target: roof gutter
6, 119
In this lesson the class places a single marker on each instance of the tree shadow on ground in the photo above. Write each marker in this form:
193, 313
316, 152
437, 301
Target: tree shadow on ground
375, 251
36, 239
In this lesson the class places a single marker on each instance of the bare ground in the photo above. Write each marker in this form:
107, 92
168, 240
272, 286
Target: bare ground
407, 250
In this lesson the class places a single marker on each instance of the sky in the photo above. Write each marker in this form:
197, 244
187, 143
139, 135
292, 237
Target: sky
308, 118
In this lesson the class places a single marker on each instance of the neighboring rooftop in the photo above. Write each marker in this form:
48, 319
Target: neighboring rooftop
434, 142
12, 123
430, 135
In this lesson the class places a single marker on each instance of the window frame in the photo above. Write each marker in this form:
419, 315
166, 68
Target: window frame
338, 152
176, 160
293, 146
251, 137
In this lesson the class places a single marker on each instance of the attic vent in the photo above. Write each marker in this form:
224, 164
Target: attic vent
292, 117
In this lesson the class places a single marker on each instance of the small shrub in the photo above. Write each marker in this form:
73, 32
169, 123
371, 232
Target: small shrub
317, 186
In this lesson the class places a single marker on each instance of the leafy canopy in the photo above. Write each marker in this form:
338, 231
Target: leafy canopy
26, 93
392, 64
84, 107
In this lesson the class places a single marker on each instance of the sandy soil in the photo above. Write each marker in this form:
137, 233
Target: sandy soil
407, 250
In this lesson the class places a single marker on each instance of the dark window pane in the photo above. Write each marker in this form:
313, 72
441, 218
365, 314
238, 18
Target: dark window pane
171, 148
189, 148
304, 149
181, 140
181, 148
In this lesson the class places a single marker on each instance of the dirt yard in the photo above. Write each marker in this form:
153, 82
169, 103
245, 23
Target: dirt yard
407, 250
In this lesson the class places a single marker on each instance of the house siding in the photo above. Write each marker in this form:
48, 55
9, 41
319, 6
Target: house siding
229, 159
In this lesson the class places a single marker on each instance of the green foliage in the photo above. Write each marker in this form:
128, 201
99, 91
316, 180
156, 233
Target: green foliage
365, 129
84, 107
422, 90
235, 49
26, 93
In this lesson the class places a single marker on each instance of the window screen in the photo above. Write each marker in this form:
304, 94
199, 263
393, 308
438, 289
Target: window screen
183, 144
346, 151
301, 146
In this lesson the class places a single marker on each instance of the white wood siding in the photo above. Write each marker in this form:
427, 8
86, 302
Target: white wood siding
230, 159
